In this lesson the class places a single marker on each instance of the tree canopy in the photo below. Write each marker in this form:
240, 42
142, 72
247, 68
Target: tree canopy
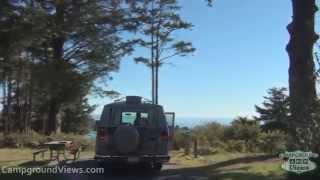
275, 112
52, 52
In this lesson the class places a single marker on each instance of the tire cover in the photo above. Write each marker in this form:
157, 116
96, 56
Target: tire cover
126, 139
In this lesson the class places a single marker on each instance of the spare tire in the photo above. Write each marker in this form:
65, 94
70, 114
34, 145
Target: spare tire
126, 139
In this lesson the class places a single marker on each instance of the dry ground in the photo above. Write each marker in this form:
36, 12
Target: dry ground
224, 166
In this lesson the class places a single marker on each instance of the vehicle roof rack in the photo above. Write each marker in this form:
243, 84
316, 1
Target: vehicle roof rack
145, 100
122, 99
125, 98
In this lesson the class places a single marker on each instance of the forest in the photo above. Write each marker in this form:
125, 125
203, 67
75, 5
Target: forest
55, 53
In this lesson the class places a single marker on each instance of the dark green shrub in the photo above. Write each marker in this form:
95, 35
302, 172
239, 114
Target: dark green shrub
33, 139
236, 146
272, 142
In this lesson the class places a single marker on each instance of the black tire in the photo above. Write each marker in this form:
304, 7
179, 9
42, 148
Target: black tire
157, 166
104, 164
146, 165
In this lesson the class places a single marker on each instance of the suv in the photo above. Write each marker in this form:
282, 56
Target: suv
134, 131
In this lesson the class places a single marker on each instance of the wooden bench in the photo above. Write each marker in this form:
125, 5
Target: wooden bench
75, 150
38, 151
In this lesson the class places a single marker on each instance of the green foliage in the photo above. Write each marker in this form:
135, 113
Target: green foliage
20, 140
244, 128
274, 113
34, 139
52, 54
242, 135
76, 118
244, 131
209, 2
160, 20
204, 146
236, 146
273, 142
181, 136
212, 133
307, 135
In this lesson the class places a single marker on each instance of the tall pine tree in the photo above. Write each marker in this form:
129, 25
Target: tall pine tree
274, 113
160, 20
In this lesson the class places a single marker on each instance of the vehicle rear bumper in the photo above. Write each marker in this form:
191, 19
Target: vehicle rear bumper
134, 159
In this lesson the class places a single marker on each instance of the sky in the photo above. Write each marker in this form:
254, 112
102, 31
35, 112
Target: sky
240, 55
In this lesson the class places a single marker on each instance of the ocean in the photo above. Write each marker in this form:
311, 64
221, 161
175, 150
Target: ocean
189, 122
195, 121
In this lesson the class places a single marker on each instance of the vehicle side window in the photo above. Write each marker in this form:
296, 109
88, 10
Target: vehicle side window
170, 119
144, 115
143, 120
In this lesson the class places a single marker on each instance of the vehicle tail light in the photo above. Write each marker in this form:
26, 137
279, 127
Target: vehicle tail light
164, 134
103, 134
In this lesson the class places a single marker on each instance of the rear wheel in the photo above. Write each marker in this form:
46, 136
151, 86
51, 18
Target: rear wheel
103, 164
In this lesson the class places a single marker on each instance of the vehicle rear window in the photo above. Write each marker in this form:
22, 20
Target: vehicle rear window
135, 118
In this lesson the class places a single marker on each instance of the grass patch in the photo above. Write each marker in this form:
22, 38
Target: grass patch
222, 166
14, 157
264, 170
231, 166
178, 158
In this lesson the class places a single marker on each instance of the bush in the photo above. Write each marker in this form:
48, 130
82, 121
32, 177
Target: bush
33, 139
213, 132
204, 147
181, 137
273, 142
243, 135
236, 146
1, 140
17, 140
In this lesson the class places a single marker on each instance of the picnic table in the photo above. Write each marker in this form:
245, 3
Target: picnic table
58, 148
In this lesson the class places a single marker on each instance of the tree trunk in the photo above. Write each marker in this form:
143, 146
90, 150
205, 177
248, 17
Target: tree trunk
4, 102
5, 75
29, 98
152, 59
59, 121
157, 83
153, 82
9, 124
18, 113
301, 70
152, 70
51, 123
157, 59
44, 123
58, 41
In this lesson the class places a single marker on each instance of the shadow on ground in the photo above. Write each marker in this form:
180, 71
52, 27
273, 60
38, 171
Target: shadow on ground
215, 172
34, 163
143, 173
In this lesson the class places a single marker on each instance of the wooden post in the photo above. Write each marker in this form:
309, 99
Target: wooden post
42, 154
34, 157
51, 154
195, 148
187, 147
